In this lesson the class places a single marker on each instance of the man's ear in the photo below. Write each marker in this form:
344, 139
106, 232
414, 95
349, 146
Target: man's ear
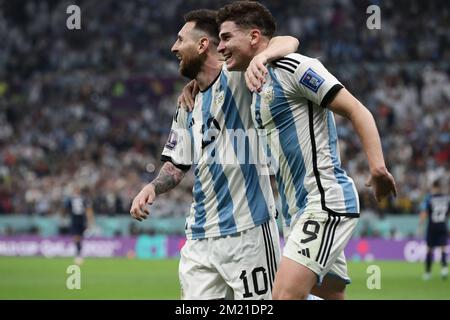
255, 36
203, 45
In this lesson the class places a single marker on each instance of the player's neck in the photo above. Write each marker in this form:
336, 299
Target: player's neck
256, 50
262, 45
209, 73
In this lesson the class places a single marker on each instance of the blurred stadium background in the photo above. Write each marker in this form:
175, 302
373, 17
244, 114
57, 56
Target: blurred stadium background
92, 108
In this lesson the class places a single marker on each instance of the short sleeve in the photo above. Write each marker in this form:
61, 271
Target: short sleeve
315, 83
424, 206
179, 146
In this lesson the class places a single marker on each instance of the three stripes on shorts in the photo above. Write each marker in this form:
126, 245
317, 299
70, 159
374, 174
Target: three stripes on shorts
327, 238
270, 253
324, 250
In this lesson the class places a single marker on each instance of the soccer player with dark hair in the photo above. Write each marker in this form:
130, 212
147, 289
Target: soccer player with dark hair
434, 209
232, 248
293, 105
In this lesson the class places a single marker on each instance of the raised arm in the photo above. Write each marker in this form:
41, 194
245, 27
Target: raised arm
277, 48
346, 105
168, 178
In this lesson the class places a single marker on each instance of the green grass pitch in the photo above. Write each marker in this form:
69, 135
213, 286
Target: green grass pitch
41, 278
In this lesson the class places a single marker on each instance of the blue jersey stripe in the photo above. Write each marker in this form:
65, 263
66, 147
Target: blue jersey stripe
281, 191
255, 197
198, 232
284, 121
227, 224
258, 111
341, 177
284, 202
225, 205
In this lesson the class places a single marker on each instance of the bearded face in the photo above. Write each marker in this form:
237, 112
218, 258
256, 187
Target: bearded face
191, 64
186, 50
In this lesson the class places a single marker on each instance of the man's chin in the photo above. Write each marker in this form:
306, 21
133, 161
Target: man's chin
186, 73
190, 67
231, 66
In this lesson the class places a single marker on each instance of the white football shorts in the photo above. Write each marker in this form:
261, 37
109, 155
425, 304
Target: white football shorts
241, 266
317, 241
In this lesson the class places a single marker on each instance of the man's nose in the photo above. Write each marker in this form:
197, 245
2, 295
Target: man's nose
174, 48
221, 47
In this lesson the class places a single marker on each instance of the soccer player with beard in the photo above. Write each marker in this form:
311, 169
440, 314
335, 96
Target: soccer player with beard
232, 248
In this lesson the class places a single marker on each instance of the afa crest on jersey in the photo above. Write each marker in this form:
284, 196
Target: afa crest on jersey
267, 95
219, 98
312, 80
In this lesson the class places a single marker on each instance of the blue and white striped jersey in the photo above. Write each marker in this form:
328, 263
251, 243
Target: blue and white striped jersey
300, 133
232, 190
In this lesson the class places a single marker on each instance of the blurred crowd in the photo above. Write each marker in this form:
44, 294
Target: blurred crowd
93, 107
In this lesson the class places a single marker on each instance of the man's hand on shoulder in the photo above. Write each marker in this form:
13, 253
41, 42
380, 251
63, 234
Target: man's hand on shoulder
187, 97
256, 72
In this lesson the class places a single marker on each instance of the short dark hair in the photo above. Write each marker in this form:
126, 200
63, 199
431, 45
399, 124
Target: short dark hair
205, 20
248, 14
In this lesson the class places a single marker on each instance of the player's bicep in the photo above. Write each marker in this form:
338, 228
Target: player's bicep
344, 104
316, 83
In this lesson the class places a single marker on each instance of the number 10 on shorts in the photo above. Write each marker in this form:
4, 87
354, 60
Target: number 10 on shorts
257, 279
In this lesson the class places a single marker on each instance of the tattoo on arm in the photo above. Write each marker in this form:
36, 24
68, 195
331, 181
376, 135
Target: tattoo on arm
168, 178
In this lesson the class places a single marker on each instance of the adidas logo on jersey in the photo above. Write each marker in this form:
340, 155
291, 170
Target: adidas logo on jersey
304, 252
